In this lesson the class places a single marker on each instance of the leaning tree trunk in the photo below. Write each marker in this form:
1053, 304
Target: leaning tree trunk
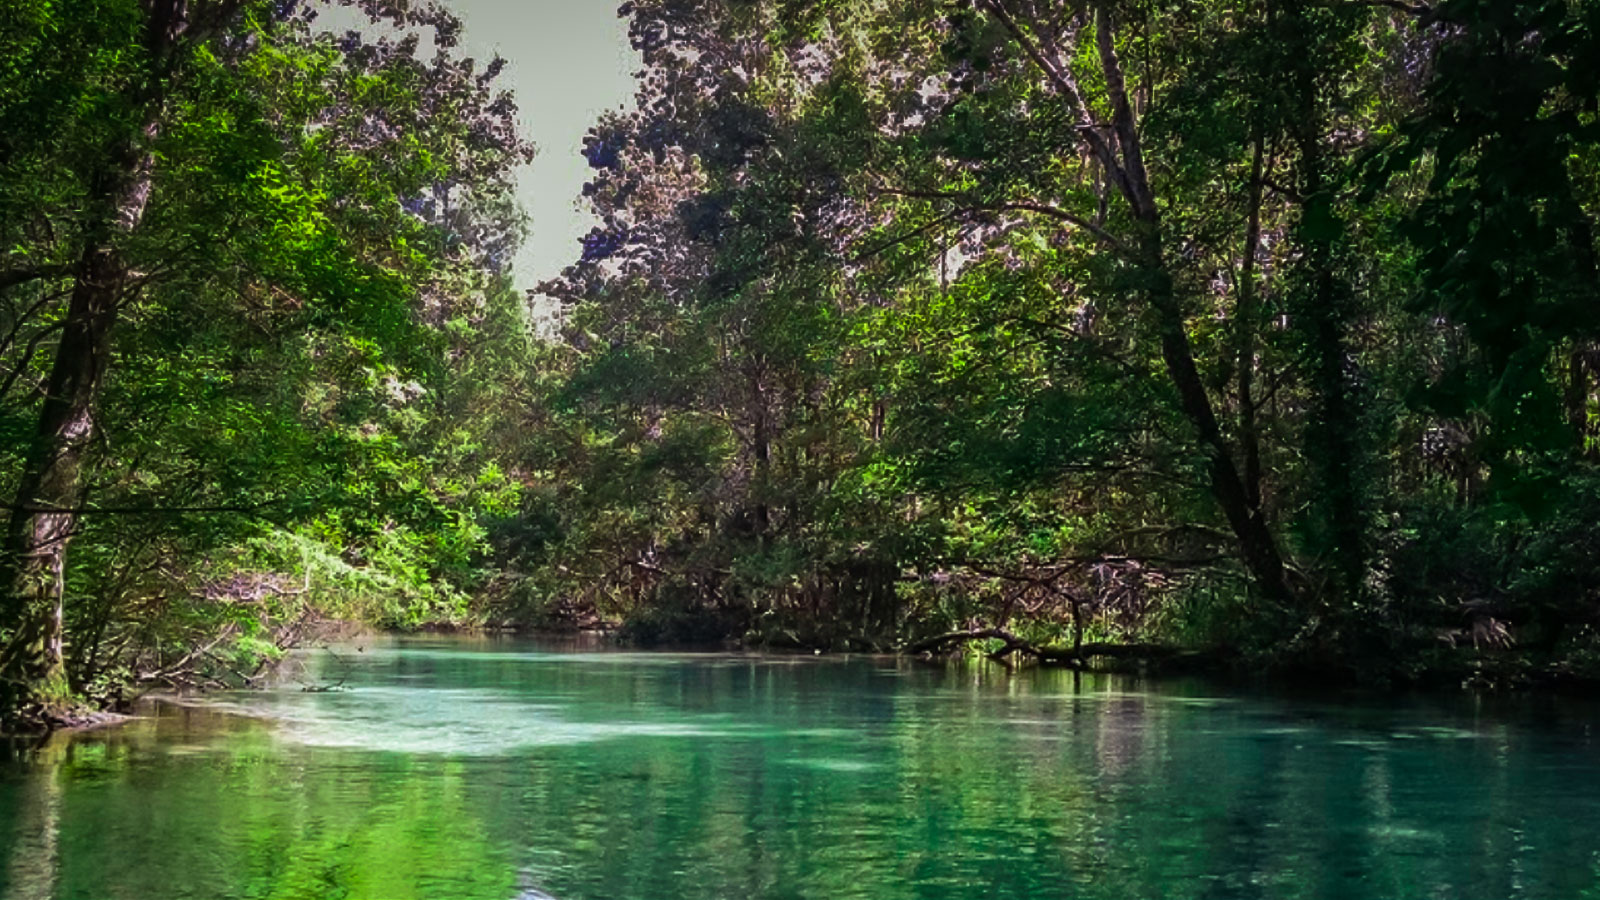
44, 515
1120, 154
1240, 504
1258, 547
1247, 314
50, 492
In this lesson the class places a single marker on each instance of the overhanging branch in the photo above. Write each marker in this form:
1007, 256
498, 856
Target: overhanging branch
1013, 644
12, 277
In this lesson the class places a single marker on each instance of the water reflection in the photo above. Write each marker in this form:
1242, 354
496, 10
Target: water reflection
494, 770
33, 864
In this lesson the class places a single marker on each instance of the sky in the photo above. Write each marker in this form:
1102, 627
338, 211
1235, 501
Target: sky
568, 62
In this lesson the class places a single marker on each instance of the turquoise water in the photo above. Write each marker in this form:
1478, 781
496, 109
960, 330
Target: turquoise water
481, 768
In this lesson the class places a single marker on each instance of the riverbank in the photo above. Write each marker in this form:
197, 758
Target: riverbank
1445, 661
1446, 669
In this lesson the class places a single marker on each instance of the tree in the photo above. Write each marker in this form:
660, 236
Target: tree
224, 163
1038, 292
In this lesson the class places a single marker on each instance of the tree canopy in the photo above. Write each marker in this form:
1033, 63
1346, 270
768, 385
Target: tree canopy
1262, 326
250, 266
1118, 327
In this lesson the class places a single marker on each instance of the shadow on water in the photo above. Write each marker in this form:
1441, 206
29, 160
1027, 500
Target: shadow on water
494, 769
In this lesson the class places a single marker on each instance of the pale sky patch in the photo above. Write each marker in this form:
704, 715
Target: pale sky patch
568, 62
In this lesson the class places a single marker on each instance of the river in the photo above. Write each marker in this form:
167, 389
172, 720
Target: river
498, 769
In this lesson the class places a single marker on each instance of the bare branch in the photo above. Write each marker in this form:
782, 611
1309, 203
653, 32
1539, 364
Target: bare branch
1053, 212
27, 357
911, 235
1421, 10
969, 205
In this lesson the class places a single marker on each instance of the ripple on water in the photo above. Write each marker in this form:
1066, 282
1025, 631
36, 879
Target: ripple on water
1437, 732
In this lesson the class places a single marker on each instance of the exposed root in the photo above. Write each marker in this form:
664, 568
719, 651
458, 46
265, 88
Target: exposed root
1076, 656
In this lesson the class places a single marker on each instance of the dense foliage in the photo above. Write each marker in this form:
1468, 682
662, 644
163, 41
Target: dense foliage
1262, 327
252, 298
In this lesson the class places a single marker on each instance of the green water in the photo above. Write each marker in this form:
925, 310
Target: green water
465, 769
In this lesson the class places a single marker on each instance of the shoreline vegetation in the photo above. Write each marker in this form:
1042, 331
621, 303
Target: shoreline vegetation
1448, 673
1472, 671
1258, 332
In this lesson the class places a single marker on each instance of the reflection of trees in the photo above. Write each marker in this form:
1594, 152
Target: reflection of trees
194, 804
901, 782
33, 866
407, 827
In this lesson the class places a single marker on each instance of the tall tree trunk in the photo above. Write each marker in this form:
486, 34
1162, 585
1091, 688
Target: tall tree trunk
44, 517
45, 511
1576, 399
1580, 360
1247, 316
761, 450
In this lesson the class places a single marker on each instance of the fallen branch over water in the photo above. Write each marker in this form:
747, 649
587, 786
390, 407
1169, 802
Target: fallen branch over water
1076, 655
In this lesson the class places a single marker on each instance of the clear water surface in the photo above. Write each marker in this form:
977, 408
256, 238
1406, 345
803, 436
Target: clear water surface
490, 768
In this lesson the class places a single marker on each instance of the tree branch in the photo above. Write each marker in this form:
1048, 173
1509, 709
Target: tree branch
1061, 77
966, 204
1013, 644
1135, 180
1426, 15
1053, 212
13, 277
